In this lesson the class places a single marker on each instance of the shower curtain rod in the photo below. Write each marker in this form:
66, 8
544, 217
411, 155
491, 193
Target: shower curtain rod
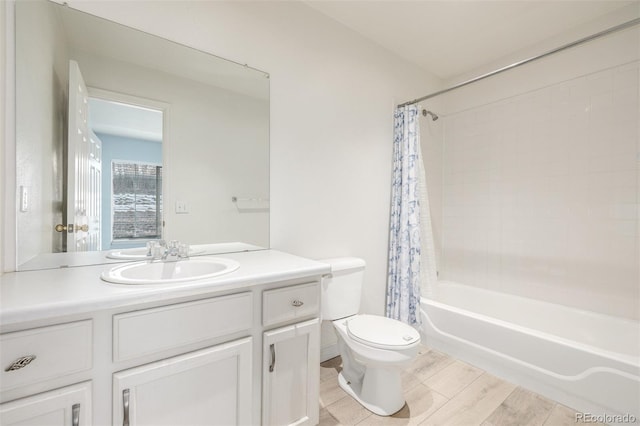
613, 29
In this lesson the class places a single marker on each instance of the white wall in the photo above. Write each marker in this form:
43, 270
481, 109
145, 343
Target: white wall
332, 100
541, 185
41, 96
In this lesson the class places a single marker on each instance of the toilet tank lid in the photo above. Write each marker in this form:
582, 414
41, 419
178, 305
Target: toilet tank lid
344, 263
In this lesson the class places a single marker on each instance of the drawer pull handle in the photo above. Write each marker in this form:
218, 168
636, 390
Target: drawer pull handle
75, 419
297, 303
125, 405
21, 362
272, 365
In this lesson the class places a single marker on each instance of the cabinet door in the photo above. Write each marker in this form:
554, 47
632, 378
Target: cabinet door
66, 406
291, 374
208, 387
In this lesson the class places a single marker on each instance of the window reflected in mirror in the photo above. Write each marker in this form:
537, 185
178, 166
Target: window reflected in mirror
136, 204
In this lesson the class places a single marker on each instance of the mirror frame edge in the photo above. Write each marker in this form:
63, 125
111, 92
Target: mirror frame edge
9, 215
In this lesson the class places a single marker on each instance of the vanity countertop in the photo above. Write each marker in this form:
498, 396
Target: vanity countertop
43, 294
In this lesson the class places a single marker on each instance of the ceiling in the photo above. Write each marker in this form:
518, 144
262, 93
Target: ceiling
452, 37
129, 121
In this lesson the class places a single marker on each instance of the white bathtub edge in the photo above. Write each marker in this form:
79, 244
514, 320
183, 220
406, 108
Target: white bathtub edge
567, 390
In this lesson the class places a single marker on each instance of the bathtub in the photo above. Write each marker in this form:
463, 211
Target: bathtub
585, 360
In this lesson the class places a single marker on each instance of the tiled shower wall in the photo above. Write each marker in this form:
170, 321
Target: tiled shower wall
541, 191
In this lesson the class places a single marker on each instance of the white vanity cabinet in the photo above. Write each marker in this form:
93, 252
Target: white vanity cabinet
45, 357
211, 386
68, 406
291, 356
92, 353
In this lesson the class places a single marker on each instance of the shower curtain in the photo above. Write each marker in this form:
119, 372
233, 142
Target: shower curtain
403, 285
428, 266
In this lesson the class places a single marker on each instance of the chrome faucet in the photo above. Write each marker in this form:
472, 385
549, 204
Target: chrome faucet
172, 252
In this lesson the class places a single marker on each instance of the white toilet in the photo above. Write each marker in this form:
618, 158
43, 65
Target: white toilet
374, 349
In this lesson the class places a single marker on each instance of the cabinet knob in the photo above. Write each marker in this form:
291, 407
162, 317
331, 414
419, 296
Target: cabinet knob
21, 362
297, 303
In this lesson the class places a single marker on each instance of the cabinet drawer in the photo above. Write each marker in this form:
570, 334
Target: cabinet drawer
57, 350
290, 303
145, 332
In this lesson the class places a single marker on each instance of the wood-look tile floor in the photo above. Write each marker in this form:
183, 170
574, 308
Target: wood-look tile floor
440, 390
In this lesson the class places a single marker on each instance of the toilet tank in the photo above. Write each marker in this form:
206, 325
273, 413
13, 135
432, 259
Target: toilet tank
341, 290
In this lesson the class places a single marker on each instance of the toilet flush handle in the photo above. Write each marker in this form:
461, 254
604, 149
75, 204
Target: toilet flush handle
297, 303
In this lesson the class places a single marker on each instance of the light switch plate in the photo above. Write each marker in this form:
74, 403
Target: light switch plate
182, 207
24, 198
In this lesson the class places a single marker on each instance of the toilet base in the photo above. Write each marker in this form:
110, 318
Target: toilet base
380, 391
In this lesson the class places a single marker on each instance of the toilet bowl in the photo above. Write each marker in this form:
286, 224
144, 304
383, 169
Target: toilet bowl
374, 349
373, 358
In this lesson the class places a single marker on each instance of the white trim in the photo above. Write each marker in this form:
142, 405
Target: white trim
142, 163
108, 95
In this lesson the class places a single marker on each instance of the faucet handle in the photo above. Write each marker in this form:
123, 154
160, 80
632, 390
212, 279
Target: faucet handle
151, 248
158, 252
183, 251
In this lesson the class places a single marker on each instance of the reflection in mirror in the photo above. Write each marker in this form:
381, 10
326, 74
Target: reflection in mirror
131, 144
123, 137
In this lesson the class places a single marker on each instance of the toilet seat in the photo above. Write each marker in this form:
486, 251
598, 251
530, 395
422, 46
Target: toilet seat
382, 332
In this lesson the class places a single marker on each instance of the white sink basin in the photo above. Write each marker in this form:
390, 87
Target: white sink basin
169, 272
140, 253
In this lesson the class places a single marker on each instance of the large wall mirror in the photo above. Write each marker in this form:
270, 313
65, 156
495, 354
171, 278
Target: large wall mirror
123, 137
